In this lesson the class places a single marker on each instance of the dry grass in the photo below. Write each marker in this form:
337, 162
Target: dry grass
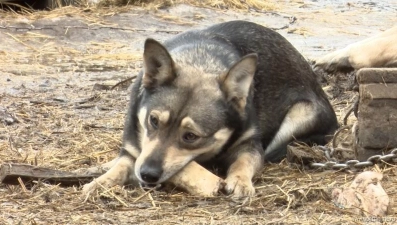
152, 4
222, 4
237, 4
65, 123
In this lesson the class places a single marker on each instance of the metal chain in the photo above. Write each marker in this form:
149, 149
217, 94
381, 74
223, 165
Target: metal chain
353, 164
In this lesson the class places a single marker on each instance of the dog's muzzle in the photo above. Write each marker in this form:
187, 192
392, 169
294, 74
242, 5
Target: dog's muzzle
150, 174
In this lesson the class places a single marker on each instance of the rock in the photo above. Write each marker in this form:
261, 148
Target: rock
6, 117
364, 196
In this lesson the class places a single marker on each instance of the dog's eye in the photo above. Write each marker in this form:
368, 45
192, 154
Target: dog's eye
154, 121
189, 137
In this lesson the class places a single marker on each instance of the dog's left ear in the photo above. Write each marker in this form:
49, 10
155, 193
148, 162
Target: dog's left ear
158, 65
237, 82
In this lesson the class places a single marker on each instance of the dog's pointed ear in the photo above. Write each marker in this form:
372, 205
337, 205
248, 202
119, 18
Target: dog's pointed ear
237, 81
158, 65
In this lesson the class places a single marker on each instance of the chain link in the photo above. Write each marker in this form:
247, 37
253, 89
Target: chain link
354, 163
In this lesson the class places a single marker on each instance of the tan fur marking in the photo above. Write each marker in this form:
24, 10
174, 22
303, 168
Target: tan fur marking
222, 136
147, 149
141, 128
132, 150
188, 122
142, 116
245, 136
298, 119
163, 116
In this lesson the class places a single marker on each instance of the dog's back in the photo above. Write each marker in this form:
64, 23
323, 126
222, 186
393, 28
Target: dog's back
283, 78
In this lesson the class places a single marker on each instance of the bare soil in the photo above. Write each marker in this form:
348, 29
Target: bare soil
57, 111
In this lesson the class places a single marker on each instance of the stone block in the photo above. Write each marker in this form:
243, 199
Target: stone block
377, 121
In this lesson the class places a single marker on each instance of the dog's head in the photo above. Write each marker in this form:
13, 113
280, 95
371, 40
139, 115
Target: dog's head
185, 112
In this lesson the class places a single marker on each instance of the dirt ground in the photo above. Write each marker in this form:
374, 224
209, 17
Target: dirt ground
57, 111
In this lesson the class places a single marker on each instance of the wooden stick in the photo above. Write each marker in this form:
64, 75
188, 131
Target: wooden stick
9, 174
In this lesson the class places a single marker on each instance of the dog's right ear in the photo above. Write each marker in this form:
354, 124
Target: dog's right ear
158, 65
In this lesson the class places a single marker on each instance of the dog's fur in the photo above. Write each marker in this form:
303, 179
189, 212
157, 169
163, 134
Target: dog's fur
377, 51
228, 97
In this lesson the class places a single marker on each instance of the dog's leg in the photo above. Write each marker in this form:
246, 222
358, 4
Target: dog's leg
377, 51
193, 178
121, 173
300, 120
242, 170
197, 180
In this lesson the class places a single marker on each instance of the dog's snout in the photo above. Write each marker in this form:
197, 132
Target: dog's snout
150, 174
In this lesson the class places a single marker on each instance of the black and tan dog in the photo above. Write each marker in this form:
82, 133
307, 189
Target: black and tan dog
228, 97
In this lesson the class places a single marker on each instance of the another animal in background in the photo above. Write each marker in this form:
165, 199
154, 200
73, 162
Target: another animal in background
377, 51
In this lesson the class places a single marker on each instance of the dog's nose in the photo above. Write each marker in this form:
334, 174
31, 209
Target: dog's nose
150, 174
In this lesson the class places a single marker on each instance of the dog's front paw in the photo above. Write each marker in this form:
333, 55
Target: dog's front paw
97, 184
104, 181
239, 186
117, 175
90, 187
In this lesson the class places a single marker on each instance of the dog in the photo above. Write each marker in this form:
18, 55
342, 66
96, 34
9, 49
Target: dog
377, 51
228, 97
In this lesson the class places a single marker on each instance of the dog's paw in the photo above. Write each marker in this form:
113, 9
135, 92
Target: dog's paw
89, 188
239, 186
100, 183
335, 61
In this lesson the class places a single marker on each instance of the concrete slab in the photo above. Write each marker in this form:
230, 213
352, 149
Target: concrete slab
377, 120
